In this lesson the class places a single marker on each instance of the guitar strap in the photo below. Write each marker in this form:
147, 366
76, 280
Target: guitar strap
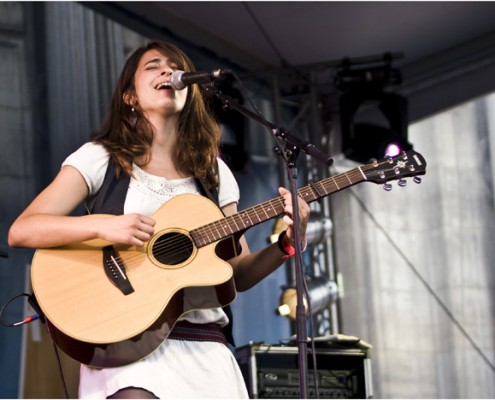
110, 200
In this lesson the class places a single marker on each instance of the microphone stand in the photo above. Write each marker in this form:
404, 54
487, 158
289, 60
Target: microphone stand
291, 152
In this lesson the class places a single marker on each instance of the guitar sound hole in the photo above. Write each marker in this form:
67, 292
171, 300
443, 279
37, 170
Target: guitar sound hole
172, 248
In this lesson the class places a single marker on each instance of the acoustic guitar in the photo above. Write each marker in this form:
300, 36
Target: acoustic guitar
108, 305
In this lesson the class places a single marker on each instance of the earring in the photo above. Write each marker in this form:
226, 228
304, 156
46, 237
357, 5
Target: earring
133, 109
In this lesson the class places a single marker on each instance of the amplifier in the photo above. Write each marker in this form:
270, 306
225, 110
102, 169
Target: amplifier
271, 372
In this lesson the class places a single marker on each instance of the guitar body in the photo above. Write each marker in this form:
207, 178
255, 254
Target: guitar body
94, 322
109, 305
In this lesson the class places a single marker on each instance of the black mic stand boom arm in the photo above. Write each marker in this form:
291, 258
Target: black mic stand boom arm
290, 154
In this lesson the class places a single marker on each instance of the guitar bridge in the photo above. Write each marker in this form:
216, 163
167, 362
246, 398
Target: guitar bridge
115, 270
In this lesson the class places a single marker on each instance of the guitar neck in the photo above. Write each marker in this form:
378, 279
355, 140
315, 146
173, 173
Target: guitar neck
272, 208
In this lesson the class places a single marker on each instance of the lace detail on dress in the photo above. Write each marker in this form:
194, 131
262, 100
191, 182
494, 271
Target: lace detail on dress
160, 186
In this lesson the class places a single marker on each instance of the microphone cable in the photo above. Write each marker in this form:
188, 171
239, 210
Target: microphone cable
26, 320
39, 315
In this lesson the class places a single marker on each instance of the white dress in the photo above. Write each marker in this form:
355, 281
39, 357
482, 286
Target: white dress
176, 369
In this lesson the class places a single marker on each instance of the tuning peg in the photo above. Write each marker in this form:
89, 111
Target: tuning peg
402, 182
417, 179
387, 187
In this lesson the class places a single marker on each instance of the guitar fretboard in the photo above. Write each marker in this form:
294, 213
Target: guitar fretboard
262, 212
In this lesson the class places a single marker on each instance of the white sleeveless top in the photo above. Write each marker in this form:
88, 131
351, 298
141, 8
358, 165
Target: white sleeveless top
176, 369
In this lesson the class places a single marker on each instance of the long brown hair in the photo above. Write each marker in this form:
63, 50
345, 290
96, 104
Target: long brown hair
127, 134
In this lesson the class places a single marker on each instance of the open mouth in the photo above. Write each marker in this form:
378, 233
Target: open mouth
163, 85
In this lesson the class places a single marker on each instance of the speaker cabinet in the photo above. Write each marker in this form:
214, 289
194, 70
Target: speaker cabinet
271, 372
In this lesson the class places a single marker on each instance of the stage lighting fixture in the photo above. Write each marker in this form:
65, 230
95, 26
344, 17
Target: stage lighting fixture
277, 229
374, 120
319, 228
321, 291
372, 141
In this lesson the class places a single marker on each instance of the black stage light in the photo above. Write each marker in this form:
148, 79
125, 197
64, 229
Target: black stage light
373, 119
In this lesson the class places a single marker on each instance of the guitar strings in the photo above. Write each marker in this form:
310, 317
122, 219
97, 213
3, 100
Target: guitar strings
180, 244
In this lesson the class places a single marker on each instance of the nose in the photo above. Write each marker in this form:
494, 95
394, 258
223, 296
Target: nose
167, 71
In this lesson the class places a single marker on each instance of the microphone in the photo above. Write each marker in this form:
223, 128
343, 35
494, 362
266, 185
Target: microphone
180, 79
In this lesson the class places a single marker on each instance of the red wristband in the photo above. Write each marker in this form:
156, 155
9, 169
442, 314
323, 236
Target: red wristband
285, 246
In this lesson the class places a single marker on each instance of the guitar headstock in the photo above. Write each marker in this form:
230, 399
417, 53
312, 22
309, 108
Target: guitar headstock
407, 164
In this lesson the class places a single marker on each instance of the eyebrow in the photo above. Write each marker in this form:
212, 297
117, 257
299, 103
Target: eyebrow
169, 62
153, 60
